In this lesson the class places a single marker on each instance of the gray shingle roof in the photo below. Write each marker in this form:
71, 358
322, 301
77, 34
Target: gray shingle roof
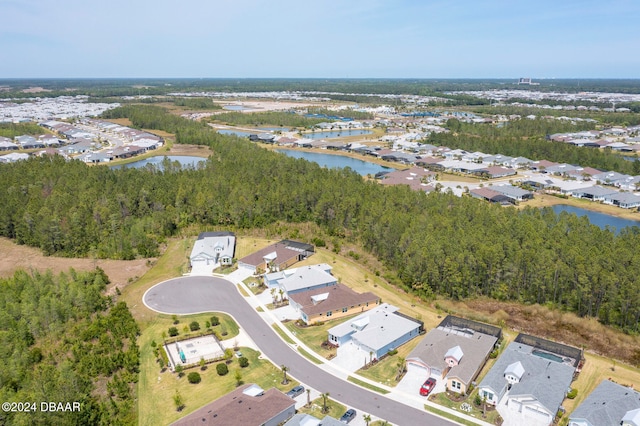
607, 404
545, 380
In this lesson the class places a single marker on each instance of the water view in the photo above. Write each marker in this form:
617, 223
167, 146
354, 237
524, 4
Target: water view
337, 161
336, 133
184, 160
238, 133
234, 107
600, 219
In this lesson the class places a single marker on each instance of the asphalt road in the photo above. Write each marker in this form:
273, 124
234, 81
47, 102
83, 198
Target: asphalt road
189, 295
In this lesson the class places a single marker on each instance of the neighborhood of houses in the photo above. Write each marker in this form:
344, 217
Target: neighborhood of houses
527, 384
88, 140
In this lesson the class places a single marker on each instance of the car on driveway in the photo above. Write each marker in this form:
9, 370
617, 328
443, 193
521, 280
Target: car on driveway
427, 387
295, 391
349, 415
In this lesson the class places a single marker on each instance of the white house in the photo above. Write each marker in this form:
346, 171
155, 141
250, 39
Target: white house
212, 250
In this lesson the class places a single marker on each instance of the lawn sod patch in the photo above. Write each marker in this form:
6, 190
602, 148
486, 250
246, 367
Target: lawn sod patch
335, 409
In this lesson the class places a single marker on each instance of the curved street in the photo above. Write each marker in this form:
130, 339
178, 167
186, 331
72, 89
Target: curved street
197, 294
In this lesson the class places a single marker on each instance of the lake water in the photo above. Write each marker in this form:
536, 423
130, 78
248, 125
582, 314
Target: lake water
599, 219
184, 160
234, 107
238, 133
336, 134
273, 129
337, 161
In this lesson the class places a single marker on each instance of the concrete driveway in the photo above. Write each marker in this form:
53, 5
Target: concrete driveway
189, 295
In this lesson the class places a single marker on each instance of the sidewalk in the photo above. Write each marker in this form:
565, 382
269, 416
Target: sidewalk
413, 400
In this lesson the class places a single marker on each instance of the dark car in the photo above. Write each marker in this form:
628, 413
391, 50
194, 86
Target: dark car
427, 387
298, 390
349, 415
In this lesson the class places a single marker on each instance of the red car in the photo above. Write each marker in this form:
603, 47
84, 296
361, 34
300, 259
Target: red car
427, 387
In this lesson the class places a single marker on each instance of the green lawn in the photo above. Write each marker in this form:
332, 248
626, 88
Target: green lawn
314, 335
386, 370
335, 409
492, 415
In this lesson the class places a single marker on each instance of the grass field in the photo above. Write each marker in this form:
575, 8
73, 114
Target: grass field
334, 408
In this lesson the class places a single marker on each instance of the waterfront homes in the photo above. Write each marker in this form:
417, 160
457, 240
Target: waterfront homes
377, 331
276, 257
248, 405
512, 192
296, 280
609, 404
332, 302
456, 350
530, 380
212, 250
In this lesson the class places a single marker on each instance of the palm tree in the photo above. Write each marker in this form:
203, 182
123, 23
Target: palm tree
308, 397
324, 396
281, 296
367, 418
401, 367
284, 369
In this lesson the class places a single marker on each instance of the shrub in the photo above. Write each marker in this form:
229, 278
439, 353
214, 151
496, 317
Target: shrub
243, 361
477, 400
194, 377
180, 370
175, 319
318, 242
215, 320
572, 394
173, 331
392, 352
194, 326
207, 324
222, 369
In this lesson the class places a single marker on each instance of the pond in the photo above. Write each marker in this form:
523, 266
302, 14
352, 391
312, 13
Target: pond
328, 134
337, 161
184, 160
234, 107
600, 219
273, 129
238, 133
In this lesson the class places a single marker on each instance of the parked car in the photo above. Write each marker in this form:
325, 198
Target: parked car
427, 387
349, 415
295, 391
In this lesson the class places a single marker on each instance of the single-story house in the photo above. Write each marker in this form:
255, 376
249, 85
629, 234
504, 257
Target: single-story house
610, 178
594, 193
490, 195
513, 192
494, 172
456, 351
212, 250
248, 405
608, 404
530, 379
377, 331
327, 303
302, 279
625, 200
7, 145
276, 257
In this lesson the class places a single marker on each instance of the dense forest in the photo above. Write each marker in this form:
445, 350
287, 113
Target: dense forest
436, 243
61, 340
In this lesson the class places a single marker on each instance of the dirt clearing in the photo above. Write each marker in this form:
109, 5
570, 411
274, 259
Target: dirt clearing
15, 257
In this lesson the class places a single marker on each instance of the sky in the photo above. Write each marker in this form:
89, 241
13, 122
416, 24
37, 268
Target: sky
320, 39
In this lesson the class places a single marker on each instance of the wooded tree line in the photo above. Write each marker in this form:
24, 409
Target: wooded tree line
527, 138
59, 338
437, 243
11, 130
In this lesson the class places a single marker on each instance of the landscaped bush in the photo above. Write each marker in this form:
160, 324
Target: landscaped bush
222, 369
243, 361
194, 326
194, 377
173, 331
392, 352
215, 321
573, 393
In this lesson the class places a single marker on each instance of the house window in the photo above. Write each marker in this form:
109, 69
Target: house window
344, 309
329, 313
456, 385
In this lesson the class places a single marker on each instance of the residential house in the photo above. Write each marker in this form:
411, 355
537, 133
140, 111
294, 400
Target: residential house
593, 193
276, 257
305, 278
7, 145
610, 178
494, 172
490, 195
332, 302
608, 404
212, 250
625, 200
530, 380
377, 331
247, 405
455, 351
13, 157
513, 192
